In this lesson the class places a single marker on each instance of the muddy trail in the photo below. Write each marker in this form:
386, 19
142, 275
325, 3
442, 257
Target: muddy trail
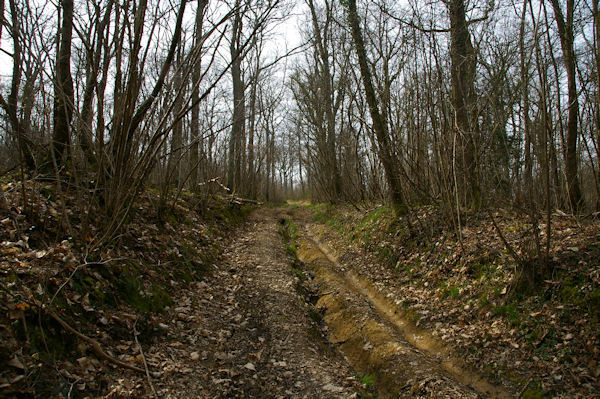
378, 338
264, 325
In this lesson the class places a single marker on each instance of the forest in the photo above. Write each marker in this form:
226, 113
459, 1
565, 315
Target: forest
184, 184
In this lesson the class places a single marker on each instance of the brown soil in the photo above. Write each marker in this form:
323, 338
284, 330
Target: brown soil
378, 339
262, 325
244, 332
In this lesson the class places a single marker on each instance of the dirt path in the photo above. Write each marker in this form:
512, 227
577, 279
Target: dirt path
377, 337
245, 332
292, 359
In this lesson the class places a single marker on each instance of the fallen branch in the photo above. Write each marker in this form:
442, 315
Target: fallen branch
239, 201
233, 199
213, 180
509, 247
135, 334
95, 345
75, 271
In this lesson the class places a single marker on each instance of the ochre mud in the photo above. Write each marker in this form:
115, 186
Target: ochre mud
378, 338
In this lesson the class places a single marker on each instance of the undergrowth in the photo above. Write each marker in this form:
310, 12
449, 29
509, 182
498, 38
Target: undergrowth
474, 278
100, 292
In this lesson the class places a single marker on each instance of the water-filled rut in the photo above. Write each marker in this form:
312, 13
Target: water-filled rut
377, 338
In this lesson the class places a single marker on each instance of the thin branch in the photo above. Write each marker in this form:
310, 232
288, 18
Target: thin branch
135, 336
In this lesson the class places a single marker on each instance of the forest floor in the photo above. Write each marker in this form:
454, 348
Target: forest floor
536, 341
284, 305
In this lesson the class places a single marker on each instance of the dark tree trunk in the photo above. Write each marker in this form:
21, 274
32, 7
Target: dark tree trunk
462, 57
239, 106
63, 87
383, 140
565, 32
196, 146
334, 179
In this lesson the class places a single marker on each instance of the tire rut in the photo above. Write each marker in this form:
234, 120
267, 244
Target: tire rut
373, 334
293, 360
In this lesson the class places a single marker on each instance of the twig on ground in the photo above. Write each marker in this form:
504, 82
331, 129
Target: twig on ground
522, 391
103, 262
95, 345
135, 335
509, 247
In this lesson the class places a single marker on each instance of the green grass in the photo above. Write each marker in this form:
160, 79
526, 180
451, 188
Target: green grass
375, 216
289, 234
368, 386
449, 291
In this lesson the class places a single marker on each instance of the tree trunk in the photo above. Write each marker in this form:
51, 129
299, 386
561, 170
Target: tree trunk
379, 126
334, 178
63, 87
239, 107
196, 146
596, 13
462, 57
84, 128
565, 32
174, 165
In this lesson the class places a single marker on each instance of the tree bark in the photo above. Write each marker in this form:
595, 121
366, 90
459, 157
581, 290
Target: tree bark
565, 32
63, 87
84, 129
328, 104
379, 126
596, 12
252, 127
462, 58
239, 106
196, 146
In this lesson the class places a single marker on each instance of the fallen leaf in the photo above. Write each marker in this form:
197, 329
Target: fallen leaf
16, 363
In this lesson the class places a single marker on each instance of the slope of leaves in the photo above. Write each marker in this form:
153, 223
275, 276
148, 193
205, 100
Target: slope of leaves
539, 340
48, 267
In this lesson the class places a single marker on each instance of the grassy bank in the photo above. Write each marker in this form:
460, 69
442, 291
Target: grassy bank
540, 339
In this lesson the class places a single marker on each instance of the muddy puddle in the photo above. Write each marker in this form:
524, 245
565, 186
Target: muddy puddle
379, 339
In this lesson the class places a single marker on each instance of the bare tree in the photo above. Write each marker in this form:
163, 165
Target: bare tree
566, 34
63, 86
390, 165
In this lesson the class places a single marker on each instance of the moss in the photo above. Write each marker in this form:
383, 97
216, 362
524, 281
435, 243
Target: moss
448, 291
155, 301
593, 304
375, 216
410, 269
131, 291
83, 284
159, 299
533, 391
289, 234
509, 311
298, 273
190, 264
533, 394
48, 192
367, 390
387, 255
453, 292
45, 336
322, 213
483, 300
570, 293
484, 270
